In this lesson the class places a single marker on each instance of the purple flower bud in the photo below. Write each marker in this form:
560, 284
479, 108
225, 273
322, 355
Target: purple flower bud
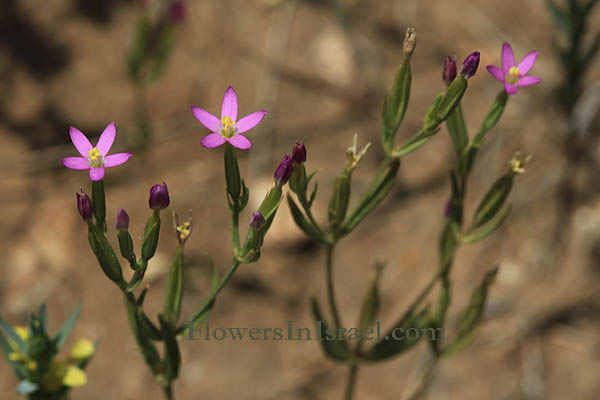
122, 220
284, 170
177, 11
84, 205
257, 221
299, 153
448, 208
449, 73
470, 65
159, 197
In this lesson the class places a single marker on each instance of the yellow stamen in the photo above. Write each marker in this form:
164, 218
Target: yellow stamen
184, 229
228, 129
517, 164
95, 158
513, 75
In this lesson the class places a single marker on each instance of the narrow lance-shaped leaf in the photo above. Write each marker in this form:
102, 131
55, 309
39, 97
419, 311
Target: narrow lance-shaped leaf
336, 348
105, 254
458, 130
306, 226
371, 301
174, 289
65, 330
172, 355
484, 230
493, 200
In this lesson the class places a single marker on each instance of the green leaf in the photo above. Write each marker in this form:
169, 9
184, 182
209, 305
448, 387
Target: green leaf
172, 354
151, 235
487, 228
145, 344
438, 318
492, 117
377, 191
493, 200
306, 226
394, 108
105, 254
458, 130
371, 301
136, 279
447, 245
431, 117
6, 350
99, 204
9, 330
42, 316
65, 330
298, 181
472, 313
389, 346
174, 289
415, 143
336, 349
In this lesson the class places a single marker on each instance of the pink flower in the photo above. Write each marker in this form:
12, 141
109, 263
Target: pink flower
95, 158
512, 75
227, 129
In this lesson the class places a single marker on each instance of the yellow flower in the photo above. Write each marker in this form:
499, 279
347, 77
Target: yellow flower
62, 373
82, 349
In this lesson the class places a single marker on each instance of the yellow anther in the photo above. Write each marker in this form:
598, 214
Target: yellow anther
228, 129
517, 164
184, 230
23, 332
513, 75
95, 158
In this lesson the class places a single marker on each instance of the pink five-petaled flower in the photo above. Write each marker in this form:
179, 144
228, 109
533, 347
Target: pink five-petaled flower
513, 75
95, 158
227, 129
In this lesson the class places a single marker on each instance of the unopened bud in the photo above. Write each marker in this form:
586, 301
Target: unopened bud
257, 221
410, 41
159, 197
469, 66
122, 220
449, 73
84, 205
299, 153
284, 170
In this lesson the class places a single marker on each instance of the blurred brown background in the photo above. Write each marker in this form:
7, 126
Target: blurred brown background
321, 74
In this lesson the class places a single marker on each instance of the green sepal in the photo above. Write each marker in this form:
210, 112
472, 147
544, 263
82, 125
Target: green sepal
126, 247
388, 347
432, 122
105, 254
472, 314
99, 204
174, 289
493, 200
458, 130
335, 349
172, 362
452, 98
299, 181
394, 107
484, 230
232, 178
377, 191
338, 205
151, 234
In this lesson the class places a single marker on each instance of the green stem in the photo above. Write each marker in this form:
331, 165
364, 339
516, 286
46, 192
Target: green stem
168, 391
330, 291
235, 230
351, 384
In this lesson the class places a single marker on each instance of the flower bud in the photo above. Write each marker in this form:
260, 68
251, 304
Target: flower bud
159, 197
84, 205
469, 66
284, 170
122, 220
299, 153
410, 41
257, 221
449, 73
177, 11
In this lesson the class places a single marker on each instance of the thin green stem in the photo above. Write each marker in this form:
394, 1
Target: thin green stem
168, 389
351, 383
330, 291
235, 230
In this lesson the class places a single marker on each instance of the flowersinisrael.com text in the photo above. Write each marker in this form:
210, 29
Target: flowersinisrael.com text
204, 331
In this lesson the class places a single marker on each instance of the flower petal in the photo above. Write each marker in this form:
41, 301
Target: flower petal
496, 72
240, 141
510, 89
213, 140
508, 57
527, 62
81, 143
249, 121
207, 119
76, 162
116, 159
106, 139
229, 107
96, 174
528, 80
